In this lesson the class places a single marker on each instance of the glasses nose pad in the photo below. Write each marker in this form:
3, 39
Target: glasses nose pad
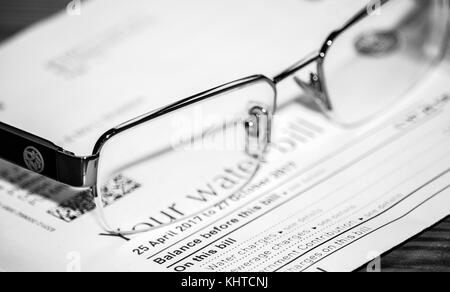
258, 131
313, 90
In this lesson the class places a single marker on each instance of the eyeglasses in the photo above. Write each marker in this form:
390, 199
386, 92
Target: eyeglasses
203, 149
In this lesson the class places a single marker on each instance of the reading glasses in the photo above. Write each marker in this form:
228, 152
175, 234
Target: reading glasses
361, 70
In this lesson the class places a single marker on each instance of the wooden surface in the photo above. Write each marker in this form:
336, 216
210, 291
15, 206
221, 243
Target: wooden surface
429, 251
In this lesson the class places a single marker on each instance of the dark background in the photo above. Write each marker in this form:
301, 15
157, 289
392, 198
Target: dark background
18, 14
429, 251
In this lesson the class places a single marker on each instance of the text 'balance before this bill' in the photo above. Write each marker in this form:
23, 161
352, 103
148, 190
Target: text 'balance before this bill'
334, 205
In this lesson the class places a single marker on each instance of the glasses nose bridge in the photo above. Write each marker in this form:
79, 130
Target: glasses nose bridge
297, 67
311, 86
314, 89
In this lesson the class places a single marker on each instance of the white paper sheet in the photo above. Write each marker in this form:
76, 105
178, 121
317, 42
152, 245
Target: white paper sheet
92, 71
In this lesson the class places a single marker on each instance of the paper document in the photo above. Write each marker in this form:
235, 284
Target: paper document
327, 198
368, 193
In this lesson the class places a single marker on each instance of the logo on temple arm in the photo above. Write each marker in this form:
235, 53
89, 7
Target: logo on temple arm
33, 159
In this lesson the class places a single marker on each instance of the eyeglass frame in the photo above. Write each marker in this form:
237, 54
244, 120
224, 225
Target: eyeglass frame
81, 172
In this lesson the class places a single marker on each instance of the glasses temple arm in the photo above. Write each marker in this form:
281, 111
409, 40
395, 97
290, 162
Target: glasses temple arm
41, 156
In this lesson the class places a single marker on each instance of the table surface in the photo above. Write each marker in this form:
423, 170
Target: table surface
427, 252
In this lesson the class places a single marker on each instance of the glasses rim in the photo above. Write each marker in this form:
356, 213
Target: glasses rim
318, 57
81, 171
323, 98
183, 103
267, 110
318, 85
